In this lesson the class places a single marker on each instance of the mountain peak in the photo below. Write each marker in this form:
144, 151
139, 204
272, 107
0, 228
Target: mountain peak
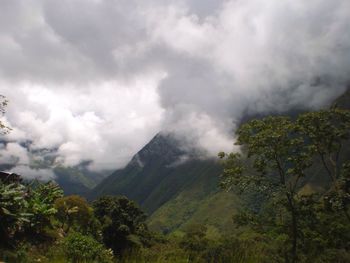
163, 146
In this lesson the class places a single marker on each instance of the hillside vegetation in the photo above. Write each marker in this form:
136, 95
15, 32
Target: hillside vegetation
174, 187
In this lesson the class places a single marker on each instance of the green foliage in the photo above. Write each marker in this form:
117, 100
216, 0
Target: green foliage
79, 248
34, 217
123, 223
41, 201
26, 213
74, 212
278, 154
194, 239
227, 249
13, 212
195, 204
279, 160
327, 132
321, 229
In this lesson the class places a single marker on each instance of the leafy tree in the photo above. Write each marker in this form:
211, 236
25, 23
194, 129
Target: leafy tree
41, 201
80, 248
277, 153
195, 241
279, 162
323, 232
123, 223
13, 212
74, 211
327, 132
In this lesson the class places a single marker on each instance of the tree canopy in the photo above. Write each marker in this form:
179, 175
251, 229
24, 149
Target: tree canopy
123, 222
278, 157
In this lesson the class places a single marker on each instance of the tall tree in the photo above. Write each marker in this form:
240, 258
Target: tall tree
41, 199
277, 153
327, 133
74, 211
13, 212
123, 223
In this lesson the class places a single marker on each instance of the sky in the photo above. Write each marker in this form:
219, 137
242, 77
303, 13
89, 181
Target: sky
95, 80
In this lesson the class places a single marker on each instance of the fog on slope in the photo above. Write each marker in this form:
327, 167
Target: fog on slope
95, 80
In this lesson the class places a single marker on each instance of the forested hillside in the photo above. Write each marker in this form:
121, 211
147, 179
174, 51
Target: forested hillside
174, 187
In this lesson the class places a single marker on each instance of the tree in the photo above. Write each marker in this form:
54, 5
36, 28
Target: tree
327, 132
41, 201
279, 161
194, 240
277, 153
74, 211
26, 211
13, 212
123, 223
80, 248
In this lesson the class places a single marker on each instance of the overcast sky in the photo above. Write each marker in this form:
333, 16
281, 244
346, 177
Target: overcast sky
97, 79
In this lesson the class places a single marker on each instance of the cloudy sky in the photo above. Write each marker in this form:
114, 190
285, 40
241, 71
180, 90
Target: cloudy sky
97, 79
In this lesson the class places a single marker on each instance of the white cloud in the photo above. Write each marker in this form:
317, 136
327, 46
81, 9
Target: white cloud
14, 153
106, 123
29, 173
97, 79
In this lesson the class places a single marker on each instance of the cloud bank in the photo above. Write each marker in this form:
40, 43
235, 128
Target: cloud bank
95, 80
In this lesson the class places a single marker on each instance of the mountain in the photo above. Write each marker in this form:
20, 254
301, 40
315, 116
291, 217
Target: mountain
176, 188
344, 100
77, 180
173, 186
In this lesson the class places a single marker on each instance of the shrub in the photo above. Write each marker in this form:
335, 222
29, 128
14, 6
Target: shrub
13, 212
79, 248
75, 213
123, 224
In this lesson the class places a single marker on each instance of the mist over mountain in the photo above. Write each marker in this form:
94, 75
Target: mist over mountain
178, 187
44, 165
95, 80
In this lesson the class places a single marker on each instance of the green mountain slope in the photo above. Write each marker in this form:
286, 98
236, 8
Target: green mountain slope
76, 180
174, 187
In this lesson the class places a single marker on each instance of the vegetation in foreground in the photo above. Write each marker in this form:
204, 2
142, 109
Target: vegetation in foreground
39, 224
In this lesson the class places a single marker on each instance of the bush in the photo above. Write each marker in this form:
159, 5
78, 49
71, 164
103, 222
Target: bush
123, 224
79, 248
75, 213
13, 213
